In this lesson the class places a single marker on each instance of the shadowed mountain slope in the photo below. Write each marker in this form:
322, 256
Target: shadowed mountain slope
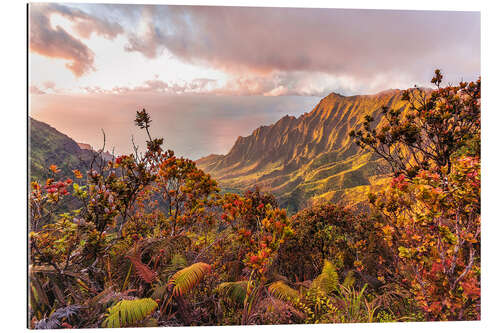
48, 146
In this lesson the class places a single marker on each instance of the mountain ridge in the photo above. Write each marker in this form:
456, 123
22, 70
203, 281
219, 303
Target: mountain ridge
310, 156
48, 146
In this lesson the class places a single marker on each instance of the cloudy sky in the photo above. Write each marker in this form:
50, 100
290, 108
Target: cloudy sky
209, 74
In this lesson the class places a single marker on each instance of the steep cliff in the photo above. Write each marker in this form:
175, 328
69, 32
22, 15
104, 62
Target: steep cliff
309, 157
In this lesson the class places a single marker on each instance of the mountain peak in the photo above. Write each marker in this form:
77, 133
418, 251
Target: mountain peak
334, 94
84, 146
300, 158
388, 92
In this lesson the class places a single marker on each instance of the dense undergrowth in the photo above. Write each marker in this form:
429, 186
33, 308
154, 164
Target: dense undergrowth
155, 243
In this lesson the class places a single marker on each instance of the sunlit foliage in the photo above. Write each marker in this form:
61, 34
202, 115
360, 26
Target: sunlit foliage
154, 242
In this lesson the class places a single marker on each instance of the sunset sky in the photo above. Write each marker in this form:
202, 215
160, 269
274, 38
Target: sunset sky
210, 74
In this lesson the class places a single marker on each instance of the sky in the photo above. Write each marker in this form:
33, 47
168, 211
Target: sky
210, 74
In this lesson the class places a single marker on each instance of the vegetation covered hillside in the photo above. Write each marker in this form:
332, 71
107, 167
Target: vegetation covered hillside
48, 146
154, 242
310, 157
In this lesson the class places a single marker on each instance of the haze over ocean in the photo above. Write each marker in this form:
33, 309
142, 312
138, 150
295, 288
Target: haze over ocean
210, 74
193, 126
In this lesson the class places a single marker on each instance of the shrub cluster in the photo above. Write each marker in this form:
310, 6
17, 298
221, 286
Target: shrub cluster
153, 241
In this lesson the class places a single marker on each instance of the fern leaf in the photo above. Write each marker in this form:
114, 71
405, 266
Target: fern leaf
159, 291
129, 312
187, 278
177, 262
169, 245
349, 279
142, 270
328, 280
236, 291
38, 291
282, 291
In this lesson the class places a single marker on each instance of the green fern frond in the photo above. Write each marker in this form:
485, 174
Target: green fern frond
159, 291
349, 279
236, 291
169, 245
129, 312
177, 262
187, 278
328, 280
282, 291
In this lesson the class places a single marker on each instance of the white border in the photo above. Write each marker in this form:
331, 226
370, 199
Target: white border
13, 162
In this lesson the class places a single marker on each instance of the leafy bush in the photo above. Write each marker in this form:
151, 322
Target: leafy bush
152, 241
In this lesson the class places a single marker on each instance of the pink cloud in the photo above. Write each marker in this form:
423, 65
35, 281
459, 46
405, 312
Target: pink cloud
49, 85
36, 91
358, 43
55, 42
